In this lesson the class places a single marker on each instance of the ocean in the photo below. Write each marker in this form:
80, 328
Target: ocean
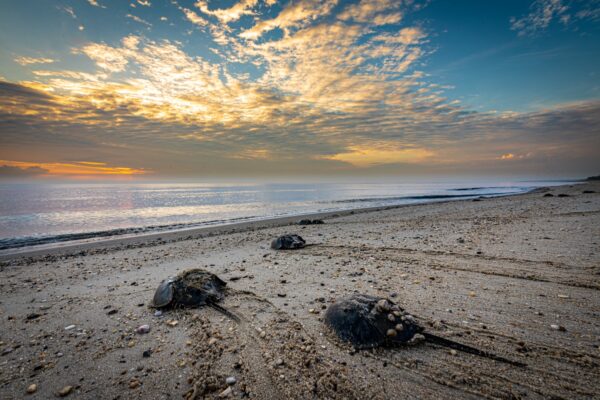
57, 214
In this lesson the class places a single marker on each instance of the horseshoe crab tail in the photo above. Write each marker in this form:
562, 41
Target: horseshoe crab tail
440, 341
224, 311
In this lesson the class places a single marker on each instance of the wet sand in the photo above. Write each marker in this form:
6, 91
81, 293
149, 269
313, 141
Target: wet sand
518, 276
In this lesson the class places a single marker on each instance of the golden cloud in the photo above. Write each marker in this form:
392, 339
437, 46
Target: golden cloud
294, 14
79, 168
365, 156
230, 14
33, 60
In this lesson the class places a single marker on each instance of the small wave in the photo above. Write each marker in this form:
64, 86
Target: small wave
423, 197
483, 188
15, 243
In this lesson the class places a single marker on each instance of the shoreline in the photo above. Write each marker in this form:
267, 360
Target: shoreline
167, 236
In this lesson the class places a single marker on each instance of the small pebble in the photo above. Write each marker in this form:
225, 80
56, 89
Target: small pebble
65, 391
157, 313
142, 329
32, 388
68, 328
230, 380
226, 393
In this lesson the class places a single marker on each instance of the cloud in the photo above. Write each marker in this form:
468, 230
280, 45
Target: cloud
231, 14
106, 57
95, 3
68, 10
377, 12
295, 14
33, 60
381, 153
76, 168
8, 171
406, 36
194, 18
138, 19
544, 12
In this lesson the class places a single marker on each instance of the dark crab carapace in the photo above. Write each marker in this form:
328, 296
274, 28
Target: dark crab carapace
310, 222
367, 321
191, 288
288, 242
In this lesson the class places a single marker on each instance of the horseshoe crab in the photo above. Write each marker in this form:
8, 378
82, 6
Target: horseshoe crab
366, 322
192, 288
288, 242
310, 222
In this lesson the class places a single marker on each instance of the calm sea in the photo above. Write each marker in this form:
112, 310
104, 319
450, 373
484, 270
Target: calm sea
42, 214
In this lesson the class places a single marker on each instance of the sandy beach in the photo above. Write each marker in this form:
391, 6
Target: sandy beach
518, 276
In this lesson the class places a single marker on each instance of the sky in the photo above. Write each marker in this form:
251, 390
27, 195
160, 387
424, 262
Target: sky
149, 89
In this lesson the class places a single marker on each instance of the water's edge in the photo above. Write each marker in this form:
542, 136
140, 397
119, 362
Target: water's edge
28, 241
134, 236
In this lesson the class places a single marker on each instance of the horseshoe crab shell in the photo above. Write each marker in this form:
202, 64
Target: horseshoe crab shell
367, 321
164, 293
191, 288
310, 222
288, 242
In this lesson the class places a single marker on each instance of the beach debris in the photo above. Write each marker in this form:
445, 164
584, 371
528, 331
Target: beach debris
32, 388
310, 222
226, 393
288, 242
367, 321
68, 328
192, 288
142, 329
158, 313
65, 391
230, 380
